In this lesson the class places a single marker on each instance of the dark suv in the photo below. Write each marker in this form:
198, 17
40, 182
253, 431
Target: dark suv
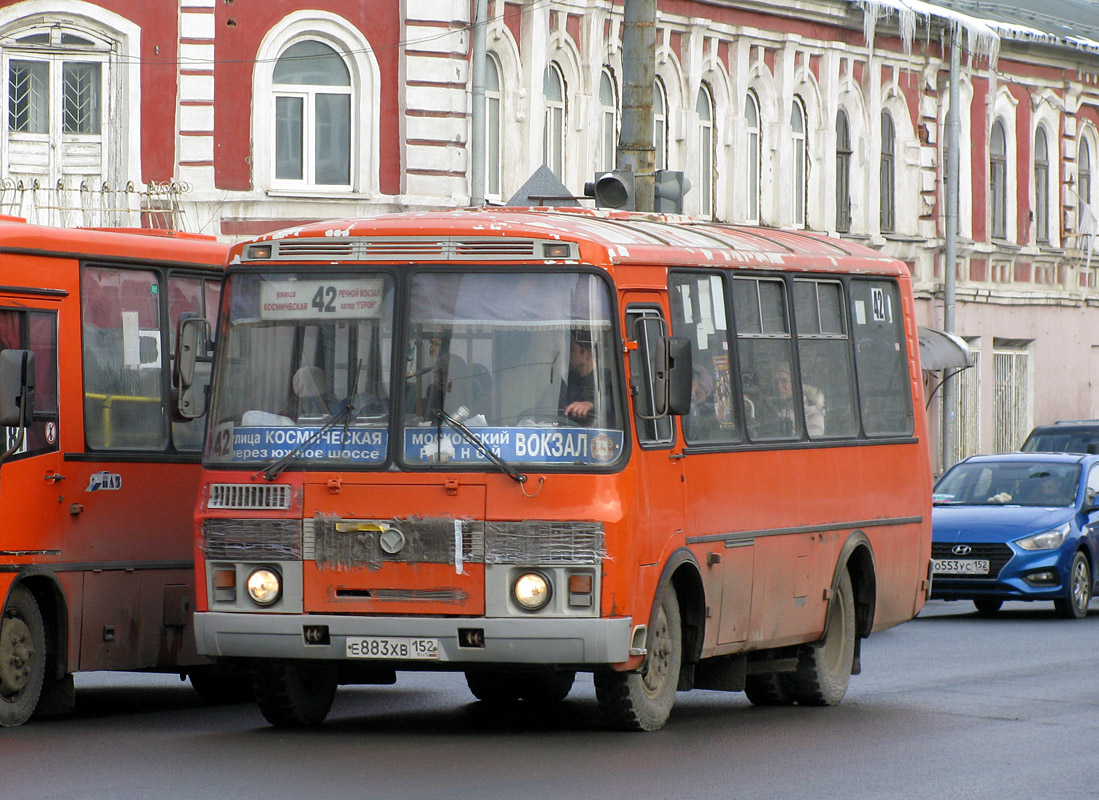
1067, 436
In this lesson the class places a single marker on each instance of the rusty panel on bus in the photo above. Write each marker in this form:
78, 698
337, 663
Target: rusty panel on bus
395, 549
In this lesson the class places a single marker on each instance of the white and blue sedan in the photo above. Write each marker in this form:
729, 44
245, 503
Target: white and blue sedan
1017, 526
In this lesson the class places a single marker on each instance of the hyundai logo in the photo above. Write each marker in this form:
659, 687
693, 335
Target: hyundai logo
961, 550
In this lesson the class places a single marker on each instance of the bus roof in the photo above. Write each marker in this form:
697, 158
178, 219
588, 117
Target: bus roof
602, 236
119, 243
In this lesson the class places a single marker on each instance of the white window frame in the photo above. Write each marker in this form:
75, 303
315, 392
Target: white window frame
608, 121
660, 125
705, 152
799, 161
358, 55
308, 94
754, 156
494, 129
116, 44
553, 127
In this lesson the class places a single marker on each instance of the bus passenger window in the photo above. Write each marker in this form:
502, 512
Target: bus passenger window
123, 390
824, 354
881, 359
698, 312
766, 359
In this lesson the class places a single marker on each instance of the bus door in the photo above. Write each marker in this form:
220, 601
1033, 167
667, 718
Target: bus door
31, 487
658, 459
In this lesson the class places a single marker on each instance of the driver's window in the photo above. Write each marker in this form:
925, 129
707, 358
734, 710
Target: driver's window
1092, 496
646, 326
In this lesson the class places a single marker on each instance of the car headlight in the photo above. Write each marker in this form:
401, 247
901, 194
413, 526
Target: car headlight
531, 591
1046, 540
264, 586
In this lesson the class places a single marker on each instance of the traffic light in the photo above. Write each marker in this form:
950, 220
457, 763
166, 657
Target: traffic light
612, 189
669, 186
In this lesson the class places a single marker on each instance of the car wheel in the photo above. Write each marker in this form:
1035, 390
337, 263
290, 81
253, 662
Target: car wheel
987, 606
1075, 604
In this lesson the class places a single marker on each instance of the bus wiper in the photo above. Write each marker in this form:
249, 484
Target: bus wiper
276, 467
475, 440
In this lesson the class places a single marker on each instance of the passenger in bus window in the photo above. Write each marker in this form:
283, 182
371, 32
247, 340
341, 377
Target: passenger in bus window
310, 384
780, 408
701, 423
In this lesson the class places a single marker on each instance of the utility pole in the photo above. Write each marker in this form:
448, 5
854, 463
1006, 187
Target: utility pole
635, 144
950, 254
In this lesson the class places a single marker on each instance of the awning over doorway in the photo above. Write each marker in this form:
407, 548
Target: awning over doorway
942, 350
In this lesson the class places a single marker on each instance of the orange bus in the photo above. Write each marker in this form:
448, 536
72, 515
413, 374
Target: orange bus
97, 483
524, 443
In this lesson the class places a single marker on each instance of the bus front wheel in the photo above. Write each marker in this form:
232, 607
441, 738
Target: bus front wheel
22, 657
642, 700
295, 694
824, 669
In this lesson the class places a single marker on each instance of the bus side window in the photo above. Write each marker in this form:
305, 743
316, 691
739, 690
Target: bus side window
824, 354
766, 358
881, 359
649, 431
124, 404
698, 312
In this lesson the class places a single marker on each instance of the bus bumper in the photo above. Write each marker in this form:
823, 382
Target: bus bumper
505, 641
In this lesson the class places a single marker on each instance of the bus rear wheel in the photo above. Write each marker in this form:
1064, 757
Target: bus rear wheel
824, 669
22, 657
642, 700
769, 689
295, 694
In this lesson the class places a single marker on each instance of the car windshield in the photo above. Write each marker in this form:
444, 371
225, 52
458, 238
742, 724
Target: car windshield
525, 361
1066, 441
1023, 483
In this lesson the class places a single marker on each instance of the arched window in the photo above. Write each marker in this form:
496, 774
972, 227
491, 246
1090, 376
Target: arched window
704, 110
553, 131
1084, 172
59, 82
312, 89
1041, 185
660, 126
751, 122
886, 174
494, 99
997, 180
608, 121
843, 172
799, 149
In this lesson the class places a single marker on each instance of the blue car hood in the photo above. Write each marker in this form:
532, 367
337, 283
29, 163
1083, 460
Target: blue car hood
993, 523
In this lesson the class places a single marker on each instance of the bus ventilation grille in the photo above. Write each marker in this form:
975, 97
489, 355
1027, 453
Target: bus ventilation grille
486, 248
230, 495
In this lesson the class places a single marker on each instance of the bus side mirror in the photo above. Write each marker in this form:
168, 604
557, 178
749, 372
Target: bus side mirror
189, 395
16, 387
16, 394
672, 382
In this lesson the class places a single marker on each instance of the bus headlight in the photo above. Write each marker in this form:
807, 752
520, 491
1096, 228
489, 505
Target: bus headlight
531, 591
264, 586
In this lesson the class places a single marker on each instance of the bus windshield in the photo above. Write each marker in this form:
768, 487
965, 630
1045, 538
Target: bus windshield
525, 361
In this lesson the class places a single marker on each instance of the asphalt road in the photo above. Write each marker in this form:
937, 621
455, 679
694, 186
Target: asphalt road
950, 705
